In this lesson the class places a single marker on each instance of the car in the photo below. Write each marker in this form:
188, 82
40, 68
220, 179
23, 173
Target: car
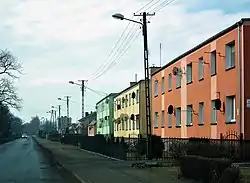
24, 136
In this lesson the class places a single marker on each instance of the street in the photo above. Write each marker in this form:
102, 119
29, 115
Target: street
22, 161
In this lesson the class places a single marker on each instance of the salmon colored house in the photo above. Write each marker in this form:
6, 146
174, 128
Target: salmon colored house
208, 88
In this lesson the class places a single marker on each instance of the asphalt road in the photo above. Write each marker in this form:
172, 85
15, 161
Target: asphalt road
22, 161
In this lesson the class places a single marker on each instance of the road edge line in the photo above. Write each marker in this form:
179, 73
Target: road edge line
72, 173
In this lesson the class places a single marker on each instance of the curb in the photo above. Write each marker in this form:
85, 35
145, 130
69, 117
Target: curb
102, 155
69, 175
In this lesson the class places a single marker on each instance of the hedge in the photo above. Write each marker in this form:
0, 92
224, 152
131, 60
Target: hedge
202, 168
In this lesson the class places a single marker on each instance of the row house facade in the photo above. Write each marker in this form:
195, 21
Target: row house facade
105, 115
129, 111
205, 92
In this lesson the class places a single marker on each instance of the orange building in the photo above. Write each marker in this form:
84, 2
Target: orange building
208, 88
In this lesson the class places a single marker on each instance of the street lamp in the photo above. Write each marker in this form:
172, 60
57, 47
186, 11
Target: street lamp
67, 100
146, 69
82, 85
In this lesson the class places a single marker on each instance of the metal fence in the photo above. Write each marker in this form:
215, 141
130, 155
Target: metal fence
230, 146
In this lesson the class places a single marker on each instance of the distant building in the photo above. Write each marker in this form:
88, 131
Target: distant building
105, 115
63, 123
92, 128
85, 121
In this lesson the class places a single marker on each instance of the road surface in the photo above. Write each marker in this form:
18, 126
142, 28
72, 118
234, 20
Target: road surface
21, 161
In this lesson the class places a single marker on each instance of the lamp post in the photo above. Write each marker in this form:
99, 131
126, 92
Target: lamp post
146, 69
82, 85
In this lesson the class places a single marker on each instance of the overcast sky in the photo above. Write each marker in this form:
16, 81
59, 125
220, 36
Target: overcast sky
62, 40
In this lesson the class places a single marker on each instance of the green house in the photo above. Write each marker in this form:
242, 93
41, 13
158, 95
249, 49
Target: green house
105, 115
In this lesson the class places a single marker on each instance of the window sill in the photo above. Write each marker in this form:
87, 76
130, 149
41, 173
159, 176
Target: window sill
169, 126
155, 95
163, 127
190, 82
201, 79
162, 93
213, 123
169, 90
189, 125
230, 68
213, 74
178, 87
231, 122
155, 127
178, 126
200, 124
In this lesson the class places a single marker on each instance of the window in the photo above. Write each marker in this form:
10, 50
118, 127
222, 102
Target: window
126, 101
169, 120
129, 124
230, 109
189, 73
156, 88
189, 114
162, 85
123, 101
230, 55
129, 100
201, 68
213, 113
178, 116
201, 113
213, 63
137, 121
156, 120
137, 96
178, 81
162, 119
170, 82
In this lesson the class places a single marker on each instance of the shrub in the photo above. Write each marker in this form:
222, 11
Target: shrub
202, 168
177, 149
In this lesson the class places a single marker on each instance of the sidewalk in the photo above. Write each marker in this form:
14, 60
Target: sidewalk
93, 168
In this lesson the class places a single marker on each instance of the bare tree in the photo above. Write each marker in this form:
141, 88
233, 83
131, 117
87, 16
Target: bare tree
10, 69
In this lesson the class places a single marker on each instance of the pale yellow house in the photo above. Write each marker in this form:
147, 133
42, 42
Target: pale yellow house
130, 111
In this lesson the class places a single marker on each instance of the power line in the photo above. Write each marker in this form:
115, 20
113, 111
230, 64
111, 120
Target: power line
162, 5
132, 40
97, 92
123, 44
113, 49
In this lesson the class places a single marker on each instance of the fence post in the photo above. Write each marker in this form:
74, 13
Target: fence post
242, 150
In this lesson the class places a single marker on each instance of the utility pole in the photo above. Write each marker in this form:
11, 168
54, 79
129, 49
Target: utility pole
147, 81
59, 117
83, 82
67, 97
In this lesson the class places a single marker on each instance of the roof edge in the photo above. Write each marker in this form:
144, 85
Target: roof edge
202, 44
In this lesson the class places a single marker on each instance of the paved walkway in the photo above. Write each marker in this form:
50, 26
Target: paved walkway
93, 168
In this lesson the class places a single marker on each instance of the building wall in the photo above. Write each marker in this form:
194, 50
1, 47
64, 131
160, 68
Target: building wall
105, 116
224, 83
245, 31
92, 130
129, 128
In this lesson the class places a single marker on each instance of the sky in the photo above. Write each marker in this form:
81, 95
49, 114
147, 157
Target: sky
60, 40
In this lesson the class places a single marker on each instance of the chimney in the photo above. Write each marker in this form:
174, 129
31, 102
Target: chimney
86, 114
135, 77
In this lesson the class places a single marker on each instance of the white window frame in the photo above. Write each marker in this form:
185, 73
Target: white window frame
162, 118
156, 88
213, 63
201, 113
230, 107
201, 68
230, 55
162, 85
189, 115
170, 82
178, 116
156, 117
189, 73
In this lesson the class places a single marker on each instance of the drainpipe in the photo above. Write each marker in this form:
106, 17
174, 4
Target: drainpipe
239, 75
